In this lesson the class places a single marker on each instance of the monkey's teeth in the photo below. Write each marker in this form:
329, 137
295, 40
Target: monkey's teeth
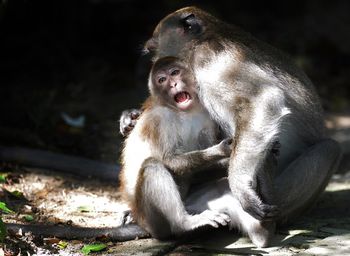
182, 97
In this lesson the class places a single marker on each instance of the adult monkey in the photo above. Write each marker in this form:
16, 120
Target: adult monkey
258, 96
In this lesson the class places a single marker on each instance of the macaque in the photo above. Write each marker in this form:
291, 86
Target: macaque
173, 138
260, 98
158, 166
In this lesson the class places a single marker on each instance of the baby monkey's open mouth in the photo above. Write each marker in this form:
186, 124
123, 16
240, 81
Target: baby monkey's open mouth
182, 97
183, 100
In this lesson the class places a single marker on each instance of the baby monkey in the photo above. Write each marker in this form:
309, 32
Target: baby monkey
173, 139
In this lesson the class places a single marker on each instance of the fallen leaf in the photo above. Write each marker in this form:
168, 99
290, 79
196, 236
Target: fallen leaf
4, 208
93, 248
41, 194
28, 217
62, 245
84, 208
52, 240
17, 194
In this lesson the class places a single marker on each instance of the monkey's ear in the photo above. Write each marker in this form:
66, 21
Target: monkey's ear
150, 46
192, 24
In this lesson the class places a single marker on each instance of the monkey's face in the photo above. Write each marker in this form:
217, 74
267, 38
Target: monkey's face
174, 86
178, 33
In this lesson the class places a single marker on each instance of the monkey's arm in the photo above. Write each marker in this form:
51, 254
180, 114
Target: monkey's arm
199, 160
123, 233
68, 164
250, 173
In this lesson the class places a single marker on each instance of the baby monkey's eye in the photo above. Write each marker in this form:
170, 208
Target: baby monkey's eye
161, 80
175, 72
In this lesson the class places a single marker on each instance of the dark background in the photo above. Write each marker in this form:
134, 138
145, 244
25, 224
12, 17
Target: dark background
83, 58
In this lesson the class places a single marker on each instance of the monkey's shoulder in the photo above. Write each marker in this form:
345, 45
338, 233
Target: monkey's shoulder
153, 122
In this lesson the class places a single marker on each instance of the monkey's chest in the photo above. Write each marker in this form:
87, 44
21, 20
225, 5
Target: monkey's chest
196, 132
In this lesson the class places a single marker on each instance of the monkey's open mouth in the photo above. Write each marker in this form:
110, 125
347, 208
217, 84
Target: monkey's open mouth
182, 97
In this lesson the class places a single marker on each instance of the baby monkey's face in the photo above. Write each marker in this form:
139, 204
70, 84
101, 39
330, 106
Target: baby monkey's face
175, 85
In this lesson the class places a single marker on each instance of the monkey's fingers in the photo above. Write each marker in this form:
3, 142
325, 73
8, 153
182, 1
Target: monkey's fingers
215, 218
226, 146
259, 210
128, 120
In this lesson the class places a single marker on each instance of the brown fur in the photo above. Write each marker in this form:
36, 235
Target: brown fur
241, 110
150, 130
137, 211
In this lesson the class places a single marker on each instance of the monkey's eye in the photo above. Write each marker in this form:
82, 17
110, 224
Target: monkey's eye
161, 80
175, 72
191, 24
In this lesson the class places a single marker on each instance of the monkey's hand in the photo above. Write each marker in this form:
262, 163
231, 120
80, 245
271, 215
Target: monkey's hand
128, 120
225, 147
223, 163
248, 193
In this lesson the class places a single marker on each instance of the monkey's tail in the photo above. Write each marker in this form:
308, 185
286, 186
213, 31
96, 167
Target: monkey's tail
59, 162
123, 233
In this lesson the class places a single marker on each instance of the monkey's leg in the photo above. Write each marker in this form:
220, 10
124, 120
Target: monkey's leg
159, 203
298, 186
217, 196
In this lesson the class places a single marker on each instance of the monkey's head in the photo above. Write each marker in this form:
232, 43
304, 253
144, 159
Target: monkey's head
172, 83
179, 32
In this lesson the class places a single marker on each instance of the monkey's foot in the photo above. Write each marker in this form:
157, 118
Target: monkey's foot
206, 218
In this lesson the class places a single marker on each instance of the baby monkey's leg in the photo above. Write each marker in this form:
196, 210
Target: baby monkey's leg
160, 208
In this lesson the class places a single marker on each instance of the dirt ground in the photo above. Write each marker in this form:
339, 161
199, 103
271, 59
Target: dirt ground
52, 199
40, 196
55, 200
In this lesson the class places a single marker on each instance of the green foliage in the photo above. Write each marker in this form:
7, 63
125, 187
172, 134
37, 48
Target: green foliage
17, 194
85, 208
4, 208
28, 218
62, 245
3, 177
93, 248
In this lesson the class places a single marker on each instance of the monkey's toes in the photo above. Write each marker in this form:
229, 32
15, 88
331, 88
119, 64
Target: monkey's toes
216, 218
223, 219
